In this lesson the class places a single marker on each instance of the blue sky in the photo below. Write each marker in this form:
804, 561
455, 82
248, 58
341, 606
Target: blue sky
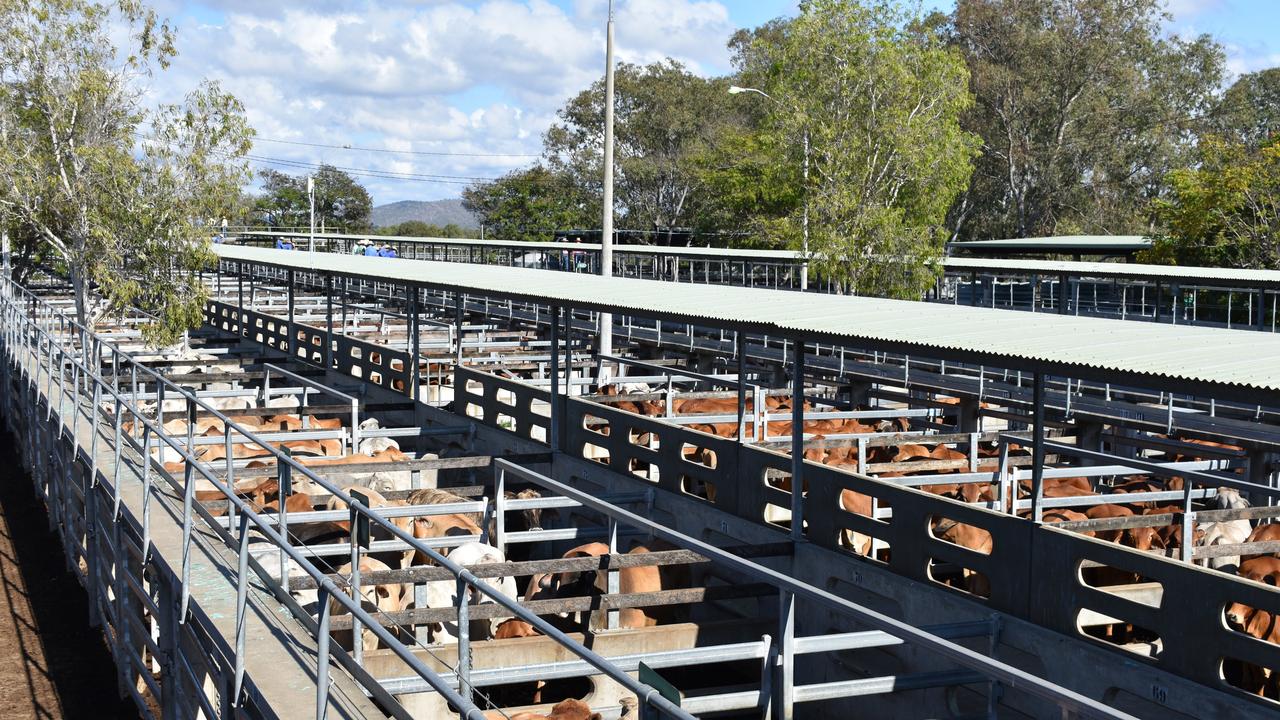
431, 95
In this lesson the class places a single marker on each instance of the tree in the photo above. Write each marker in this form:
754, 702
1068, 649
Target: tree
531, 204
1083, 106
869, 100
418, 228
341, 202
1249, 111
664, 115
1225, 212
120, 211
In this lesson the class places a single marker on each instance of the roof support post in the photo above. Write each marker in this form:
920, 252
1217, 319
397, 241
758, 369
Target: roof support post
291, 346
1063, 293
553, 432
740, 342
1159, 314
784, 682
1260, 312
568, 350
797, 441
328, 342
1037, 447
457, 323
415, 331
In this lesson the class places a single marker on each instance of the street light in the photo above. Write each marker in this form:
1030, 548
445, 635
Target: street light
311, 196
804, 222
605, 328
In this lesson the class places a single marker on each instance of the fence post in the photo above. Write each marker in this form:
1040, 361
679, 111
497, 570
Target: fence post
322, 654
188, 494
242, 587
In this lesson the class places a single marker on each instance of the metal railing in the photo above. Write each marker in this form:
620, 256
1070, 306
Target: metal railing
74, 348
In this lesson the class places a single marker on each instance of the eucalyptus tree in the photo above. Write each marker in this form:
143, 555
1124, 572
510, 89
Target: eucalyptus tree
1083, 107
862, 105
119, 197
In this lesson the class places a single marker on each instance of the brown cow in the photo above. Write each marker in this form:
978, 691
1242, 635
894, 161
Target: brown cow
570, 709
644, 579
515, 628
1257, 623
436, 526
972, 538
1262, 533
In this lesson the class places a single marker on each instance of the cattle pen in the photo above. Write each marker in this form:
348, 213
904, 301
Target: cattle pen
712, 588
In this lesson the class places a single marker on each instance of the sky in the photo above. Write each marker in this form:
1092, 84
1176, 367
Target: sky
420, 98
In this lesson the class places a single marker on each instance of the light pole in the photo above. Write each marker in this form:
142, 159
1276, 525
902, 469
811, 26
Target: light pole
605, 330
311, 196
804, 220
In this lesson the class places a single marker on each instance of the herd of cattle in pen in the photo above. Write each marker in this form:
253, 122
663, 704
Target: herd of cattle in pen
394, 487
941, 459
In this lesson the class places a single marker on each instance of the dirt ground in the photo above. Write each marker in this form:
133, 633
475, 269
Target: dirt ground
52, 665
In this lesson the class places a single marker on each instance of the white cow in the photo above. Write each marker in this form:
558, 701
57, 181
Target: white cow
1226, 532
443, 593
374, 445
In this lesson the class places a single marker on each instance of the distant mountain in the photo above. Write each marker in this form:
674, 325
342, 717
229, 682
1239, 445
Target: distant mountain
435, 212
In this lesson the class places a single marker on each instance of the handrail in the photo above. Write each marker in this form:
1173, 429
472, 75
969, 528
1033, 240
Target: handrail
647, 694
972, 659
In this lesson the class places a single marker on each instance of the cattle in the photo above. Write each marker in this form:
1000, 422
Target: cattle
1259, 624
858, 504
386, 598
1268, 532
1226, 532
514, 628
570, 709
444, 593
436, 526
645, 579
1100, 512
383, 481
375, 445
972, 538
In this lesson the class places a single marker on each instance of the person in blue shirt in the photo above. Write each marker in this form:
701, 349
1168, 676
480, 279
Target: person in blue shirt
279, 243
371, 250
386, 251
288, 245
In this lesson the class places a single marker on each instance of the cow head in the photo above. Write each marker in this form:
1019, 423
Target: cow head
1238, 615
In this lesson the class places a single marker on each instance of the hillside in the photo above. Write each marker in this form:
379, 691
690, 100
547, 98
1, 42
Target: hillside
435, 212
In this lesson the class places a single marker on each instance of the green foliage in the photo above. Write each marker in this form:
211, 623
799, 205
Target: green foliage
1225, 212
418, 228
664, 117
1249, 111
124, 213
1083, 106
879, 102
341, 202
531, 204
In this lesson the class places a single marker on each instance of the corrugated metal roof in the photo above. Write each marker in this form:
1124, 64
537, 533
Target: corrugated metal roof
1060, 243
1205, 358
1117, 269
1253, 278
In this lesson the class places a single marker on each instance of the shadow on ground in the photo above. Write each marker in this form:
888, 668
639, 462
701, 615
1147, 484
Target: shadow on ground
52, 664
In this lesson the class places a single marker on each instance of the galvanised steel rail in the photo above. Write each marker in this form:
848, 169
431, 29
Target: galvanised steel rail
790, 590
24, 332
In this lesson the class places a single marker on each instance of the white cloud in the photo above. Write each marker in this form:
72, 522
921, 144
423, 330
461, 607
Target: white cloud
447, 76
